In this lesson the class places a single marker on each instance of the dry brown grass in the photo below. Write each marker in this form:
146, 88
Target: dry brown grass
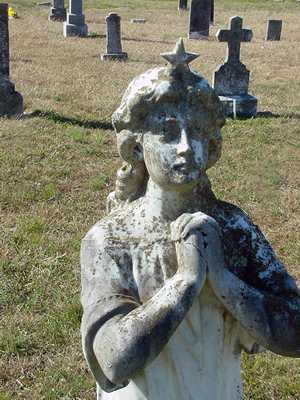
55, 176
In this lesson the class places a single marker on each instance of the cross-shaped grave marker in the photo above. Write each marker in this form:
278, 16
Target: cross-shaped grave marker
234, 37
231, 79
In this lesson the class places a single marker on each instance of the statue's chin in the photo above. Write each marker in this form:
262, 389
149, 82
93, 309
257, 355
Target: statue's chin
181, 182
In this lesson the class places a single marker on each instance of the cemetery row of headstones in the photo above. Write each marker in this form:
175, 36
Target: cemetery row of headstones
201, 17
230, 80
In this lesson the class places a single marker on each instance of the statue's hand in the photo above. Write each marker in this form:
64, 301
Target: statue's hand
187, 233
213, 251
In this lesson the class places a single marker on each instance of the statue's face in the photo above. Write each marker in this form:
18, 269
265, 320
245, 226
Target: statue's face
176, 146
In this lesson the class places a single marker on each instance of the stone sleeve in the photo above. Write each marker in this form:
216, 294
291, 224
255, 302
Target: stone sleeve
268, 273
105, 293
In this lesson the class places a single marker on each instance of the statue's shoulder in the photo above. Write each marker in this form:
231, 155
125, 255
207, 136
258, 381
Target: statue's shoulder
231, 217
116, 227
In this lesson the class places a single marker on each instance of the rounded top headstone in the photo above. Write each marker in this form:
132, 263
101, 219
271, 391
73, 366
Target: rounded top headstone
113, 16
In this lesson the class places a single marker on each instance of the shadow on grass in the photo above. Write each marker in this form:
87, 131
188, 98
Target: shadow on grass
269, 114
95, 35
61, 119
146, 40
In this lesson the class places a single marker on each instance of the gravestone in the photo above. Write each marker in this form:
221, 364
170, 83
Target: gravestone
137, 21
113, 39
182, 5
200, 17
274, 28
212, 12
231, 79
11, 102
75, 23
176, 284
58, 11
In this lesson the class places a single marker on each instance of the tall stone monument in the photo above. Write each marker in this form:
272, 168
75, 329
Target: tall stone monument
57, 11
176, 283
11, 102
231, 79
75, 23
113, 39
200, 17
274, 28
182, 5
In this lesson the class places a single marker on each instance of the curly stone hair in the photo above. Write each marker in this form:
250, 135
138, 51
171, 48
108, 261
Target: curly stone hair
154, 88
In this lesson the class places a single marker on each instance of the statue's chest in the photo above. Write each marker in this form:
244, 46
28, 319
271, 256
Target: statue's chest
152, 265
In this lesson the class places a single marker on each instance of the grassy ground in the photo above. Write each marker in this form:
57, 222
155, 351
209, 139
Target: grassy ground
58, 166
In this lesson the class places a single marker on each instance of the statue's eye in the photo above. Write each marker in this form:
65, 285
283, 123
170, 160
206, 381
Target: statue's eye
169, 130
162, 116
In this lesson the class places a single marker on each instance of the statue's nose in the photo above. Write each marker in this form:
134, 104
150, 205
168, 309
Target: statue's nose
183, 146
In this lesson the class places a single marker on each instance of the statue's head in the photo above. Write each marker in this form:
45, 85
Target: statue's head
168, 127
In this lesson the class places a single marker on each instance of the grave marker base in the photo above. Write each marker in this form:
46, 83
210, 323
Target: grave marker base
243, 106
75, 30
198, 35
114, 56
11, 102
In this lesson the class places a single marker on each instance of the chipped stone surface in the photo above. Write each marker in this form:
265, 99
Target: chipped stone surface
176, 283
11, 102
231, 79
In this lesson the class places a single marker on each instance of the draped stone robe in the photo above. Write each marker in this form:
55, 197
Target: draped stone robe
126, 260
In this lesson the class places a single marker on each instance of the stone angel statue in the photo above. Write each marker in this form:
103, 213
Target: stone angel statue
175, 282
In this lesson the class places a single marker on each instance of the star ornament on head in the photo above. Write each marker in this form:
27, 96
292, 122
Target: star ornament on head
179, 57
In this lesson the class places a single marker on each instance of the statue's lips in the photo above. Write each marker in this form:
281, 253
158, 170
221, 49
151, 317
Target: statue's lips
183, 165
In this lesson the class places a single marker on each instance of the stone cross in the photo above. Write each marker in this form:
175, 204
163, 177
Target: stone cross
274, 29
231, 79
4, 41
113, 39
75, 23
58, 11
182, 5
234, 37
11, 102
200, 16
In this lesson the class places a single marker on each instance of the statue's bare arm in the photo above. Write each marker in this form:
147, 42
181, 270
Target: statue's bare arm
126, 343
272, 320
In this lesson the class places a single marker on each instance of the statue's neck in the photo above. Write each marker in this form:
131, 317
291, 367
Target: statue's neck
168, 205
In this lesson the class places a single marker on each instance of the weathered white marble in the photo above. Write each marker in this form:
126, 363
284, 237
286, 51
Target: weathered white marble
176, 283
